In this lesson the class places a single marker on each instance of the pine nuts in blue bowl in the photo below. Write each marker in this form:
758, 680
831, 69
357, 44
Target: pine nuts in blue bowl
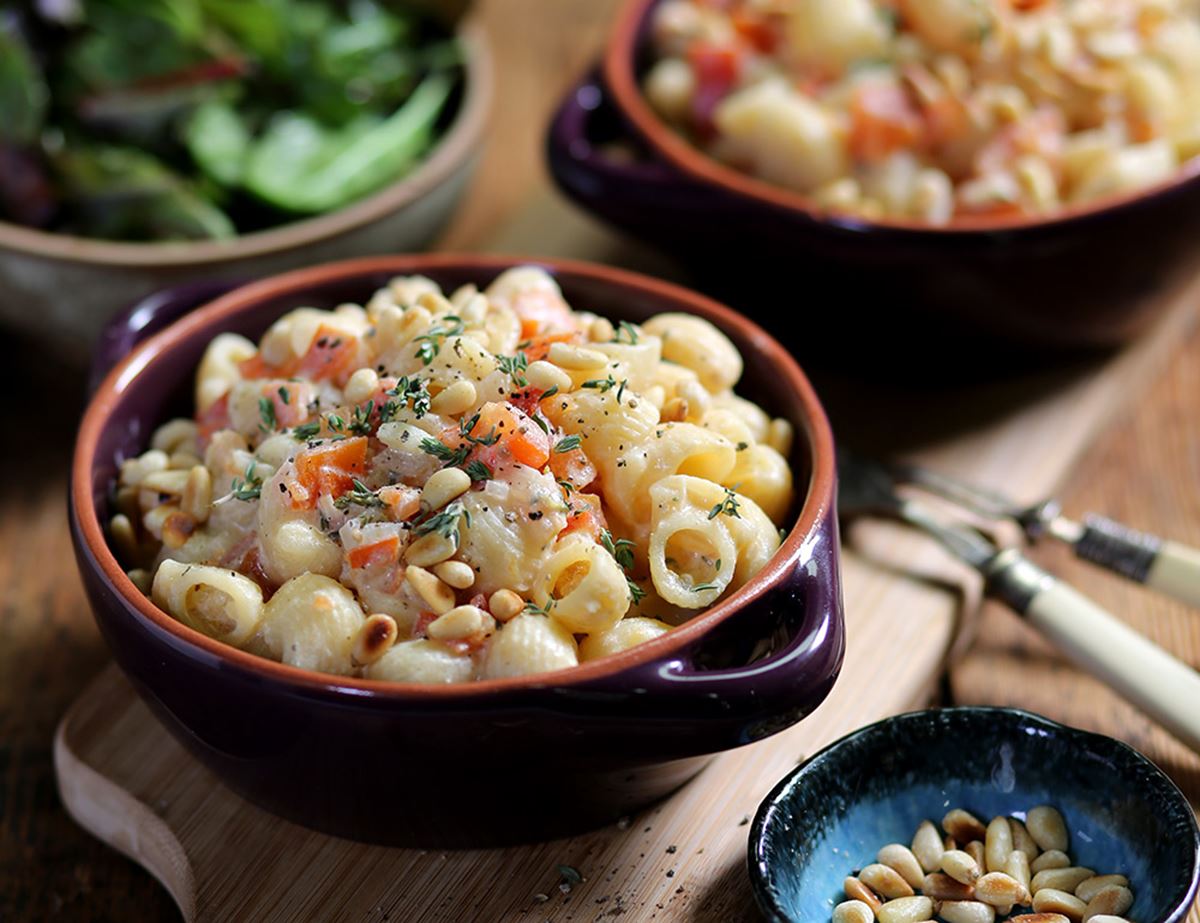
832, 815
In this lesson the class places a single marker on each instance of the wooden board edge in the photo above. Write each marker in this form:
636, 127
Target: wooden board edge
116, 818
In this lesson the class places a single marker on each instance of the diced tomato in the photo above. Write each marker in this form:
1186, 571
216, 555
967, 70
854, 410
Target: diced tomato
574, 467
716, 69
1042, 132
384, 551
539, 346
400, 501
758, 32
542, 311
331, 355
479, 601
586, 516
1026, 5
212, 420
329, 468
517, 437
294, 410
257, 367
882, 120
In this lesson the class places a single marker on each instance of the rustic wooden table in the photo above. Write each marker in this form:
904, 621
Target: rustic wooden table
1144, 469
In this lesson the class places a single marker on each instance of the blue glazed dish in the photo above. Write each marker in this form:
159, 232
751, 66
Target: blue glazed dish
831, 815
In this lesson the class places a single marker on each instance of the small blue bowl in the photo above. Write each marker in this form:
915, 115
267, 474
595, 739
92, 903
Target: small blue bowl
831, 815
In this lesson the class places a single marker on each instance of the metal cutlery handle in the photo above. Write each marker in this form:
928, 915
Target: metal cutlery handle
1165, 688
1169, 567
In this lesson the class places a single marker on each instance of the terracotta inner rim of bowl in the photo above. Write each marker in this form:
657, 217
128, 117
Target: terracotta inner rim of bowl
460, 140
818, 503
620, 75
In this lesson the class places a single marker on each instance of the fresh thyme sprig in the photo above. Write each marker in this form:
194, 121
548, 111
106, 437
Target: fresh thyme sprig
448, 456
411, 392
360, 420
431, 340
704, 587
266, 413
728, 506
514, 367
567, 444
360, 495
445, 522
630, 331
249, 486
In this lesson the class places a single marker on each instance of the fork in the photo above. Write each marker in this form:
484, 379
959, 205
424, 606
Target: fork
1167, 566
1162, 686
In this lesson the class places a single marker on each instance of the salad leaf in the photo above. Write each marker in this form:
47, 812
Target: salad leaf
219, 141
300, 166
23, 94
126, 194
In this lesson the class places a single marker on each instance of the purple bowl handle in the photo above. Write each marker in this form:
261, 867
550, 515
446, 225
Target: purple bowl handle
618, 188
806, 607
147, 317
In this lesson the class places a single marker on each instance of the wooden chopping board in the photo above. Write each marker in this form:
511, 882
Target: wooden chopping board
127, 781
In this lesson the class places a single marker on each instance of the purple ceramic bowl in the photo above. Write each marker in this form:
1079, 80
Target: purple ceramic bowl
485, 763
1081, 277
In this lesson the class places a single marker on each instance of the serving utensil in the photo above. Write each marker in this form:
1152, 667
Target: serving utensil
1170, 567
1162, 686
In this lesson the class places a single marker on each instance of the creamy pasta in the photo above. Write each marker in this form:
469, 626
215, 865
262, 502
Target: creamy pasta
930, 109
438, 489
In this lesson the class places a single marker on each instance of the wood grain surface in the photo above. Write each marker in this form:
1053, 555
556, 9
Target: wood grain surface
1143, 469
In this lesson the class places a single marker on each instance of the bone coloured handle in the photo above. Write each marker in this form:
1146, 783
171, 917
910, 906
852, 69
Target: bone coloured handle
1169, 567
1165, 688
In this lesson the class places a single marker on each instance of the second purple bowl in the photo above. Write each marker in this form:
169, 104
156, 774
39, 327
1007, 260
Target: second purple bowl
483, 763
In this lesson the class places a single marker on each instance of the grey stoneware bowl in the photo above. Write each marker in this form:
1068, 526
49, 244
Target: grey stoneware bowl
831, 815
64, 288
536, 756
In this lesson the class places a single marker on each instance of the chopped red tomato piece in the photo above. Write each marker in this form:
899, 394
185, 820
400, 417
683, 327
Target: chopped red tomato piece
1042, 132
758, 32
422, 623
503, 433
586, 516
212, 420
294, 410
400, 501
574, 467
716, 69
384, 551
882, 120
329, 468
331, 355
257, 367
542, 311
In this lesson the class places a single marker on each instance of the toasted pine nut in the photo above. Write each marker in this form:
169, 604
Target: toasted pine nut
1001, 890
1111, 900
575, 358
966, 912
545, 375
927, 846
438, 596
184, 461
942, 887
134, 470
1050, 859
456, 399
1052, 900
124, 537
165, 482
1017, 868
601, 330
1047, 828
461, 295
444, 486
505, 605
857, 891
949, 843
977, 851
141, 578
1040, 918
175, 435
455, 574
177, 528
1088, 888
697, 397
905, 910
1067, 879
900, 858
1105, 918
377, 635
197, 493
362, 384
960, 866
885, 881
1022, 840
780, 434
127, 501
674, 411
853, 912
999, 844
459, 623
430, 549
963, 826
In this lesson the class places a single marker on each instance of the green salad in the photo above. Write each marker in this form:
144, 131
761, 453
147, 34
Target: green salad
149, 120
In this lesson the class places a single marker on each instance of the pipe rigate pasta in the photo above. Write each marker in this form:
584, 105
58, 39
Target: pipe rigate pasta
506, 485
